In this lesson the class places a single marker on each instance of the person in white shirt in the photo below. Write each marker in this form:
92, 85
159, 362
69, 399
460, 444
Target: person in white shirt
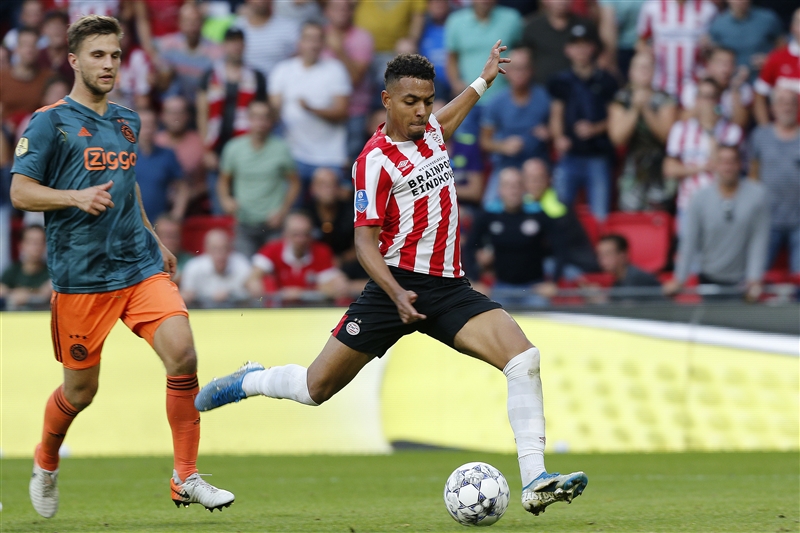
218, 276
311, 95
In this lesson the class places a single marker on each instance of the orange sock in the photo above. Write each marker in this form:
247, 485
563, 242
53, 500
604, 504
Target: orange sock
184, 420
58, 415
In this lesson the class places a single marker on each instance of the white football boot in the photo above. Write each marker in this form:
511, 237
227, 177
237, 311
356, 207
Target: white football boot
43, 490
196, 490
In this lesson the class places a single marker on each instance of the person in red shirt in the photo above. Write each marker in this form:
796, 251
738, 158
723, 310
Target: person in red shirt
296, 267
782, 69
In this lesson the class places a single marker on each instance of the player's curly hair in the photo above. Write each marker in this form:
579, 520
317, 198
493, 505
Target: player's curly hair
408, 66
89, 25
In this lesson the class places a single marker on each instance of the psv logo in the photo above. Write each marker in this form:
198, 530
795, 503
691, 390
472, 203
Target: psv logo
95, 158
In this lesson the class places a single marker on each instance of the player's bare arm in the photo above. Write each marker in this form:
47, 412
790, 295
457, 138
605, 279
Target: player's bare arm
170, 262
27, 194
369, 255
453, 114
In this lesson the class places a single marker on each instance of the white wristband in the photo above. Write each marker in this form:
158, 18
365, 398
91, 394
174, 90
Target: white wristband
480, 86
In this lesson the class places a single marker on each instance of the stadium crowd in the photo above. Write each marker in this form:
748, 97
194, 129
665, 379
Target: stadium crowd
628, 139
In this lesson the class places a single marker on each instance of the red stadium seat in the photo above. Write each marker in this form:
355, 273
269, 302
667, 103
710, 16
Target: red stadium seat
589, 223
195, 229
601, 279
648, 235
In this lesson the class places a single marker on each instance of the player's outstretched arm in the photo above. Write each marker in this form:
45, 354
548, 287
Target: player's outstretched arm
453, 114
369, 255
28, 194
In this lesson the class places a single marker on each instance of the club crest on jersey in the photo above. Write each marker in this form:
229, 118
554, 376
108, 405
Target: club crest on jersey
361, 200
22, 147
127, 132
403, 164
436, 137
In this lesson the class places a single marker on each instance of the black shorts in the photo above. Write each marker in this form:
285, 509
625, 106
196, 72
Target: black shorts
372, 324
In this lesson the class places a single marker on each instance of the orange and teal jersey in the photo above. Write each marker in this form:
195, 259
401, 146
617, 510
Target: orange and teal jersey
69, 146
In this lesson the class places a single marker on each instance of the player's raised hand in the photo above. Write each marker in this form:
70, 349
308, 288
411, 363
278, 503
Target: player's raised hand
94, 200
492, 66
405, 306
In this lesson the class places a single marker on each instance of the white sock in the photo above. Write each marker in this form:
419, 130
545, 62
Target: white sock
280, 382
526, 412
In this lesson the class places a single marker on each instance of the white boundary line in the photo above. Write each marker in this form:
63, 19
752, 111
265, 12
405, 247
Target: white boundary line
732, 338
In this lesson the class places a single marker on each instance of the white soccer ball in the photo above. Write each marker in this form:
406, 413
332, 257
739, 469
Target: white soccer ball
476, 494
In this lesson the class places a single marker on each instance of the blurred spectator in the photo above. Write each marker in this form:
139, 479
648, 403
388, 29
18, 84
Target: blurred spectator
512, 242
750, 31
331, 216
775, 161
737, 94
159, 174
78, 8
218, 276
26, 282
514, 125
185, 142
158, 17
639, 119
54, 90
612, 254
301, 11
393, 25
547, 34
432, 45
260, 170
469, 32
676, 29
572, 253
781, 69
618, 21
169, 233
23, 83
296, 267
579, 124
186, 55
332, 219
270, 38
692, 141
311, 96
225, 92
55, 55
727, 229
31, 15
354, 48
135, 77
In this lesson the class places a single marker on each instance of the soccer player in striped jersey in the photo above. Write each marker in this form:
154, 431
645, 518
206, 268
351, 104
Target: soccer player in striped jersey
76, 162
406, 238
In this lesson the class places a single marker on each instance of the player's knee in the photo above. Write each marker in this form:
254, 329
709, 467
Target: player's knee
526, 363
183, 362
320, 391
80, 396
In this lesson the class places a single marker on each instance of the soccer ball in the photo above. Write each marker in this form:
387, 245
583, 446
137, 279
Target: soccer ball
476, 494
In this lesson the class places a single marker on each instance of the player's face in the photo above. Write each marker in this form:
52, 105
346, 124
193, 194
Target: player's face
408, 103
98, 62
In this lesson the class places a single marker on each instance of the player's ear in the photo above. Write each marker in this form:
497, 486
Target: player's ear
386, 99
73, 61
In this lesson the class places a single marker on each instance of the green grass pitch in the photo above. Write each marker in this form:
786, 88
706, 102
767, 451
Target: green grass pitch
733, 492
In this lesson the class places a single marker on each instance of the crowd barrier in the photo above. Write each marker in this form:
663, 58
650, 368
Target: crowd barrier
611, 385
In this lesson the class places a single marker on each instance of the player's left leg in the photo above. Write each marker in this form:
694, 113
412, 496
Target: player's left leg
494, 337
157, 313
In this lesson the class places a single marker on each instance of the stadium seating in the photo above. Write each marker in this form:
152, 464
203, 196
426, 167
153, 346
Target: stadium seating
649, 235
195, 229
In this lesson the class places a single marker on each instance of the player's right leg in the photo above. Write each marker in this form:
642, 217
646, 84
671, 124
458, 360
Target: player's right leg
80, 324
335, 367
495, 337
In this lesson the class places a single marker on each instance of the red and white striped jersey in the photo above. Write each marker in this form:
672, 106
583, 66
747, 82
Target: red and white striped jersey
692, 145
408, 189
675, 29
